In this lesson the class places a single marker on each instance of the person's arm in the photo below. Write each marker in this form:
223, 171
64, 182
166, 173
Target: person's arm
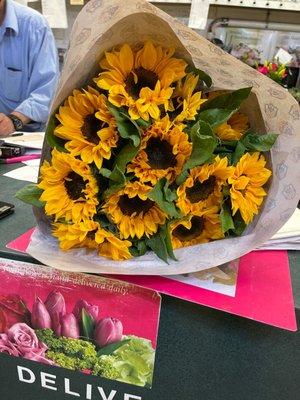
43, 76
6, 124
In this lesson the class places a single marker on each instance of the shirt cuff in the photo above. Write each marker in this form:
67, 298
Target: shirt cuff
32, 110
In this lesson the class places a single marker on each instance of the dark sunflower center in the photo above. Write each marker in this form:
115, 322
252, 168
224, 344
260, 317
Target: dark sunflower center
185, 235
74, 185
129, 205
91, 234
176, 112
201, 191
159, 153
91, 125
143, 77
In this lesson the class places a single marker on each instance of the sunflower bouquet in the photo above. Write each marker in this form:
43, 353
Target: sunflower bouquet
148, 159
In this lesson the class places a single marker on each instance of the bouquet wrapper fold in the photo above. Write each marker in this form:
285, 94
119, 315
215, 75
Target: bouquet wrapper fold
103, 24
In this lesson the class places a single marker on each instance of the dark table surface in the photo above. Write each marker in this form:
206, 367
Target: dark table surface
202, 354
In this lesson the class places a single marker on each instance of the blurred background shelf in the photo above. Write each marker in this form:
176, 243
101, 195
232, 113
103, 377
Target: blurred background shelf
272, 4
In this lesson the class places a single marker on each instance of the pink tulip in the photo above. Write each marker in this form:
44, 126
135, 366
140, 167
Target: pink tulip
92, 310
69, 326
55, 303
264, 70
107, 331
40, 317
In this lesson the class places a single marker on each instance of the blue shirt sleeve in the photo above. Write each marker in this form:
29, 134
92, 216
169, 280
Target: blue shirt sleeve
44, 74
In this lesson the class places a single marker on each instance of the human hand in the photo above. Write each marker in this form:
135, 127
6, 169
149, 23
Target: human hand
6, 125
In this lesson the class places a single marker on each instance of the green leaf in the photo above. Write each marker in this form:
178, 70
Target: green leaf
117, 176
105, 172
161, 244
182, 177
139, 249
239, 224
158, 246
105, 223
127, 128
111, 348
88, 324
226, 218
202, 75
54, 141
229, 101
215, 116
30, 194
127, 153
142, 123
258, 142
238, 153
204, 144
253, 142
168, 241
117, 181
161, 195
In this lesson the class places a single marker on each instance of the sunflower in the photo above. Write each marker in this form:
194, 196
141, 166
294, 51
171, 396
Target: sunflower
234, 128
185, 102
90, 234
87, 125
133, 212
164, 150
69, 188
203, 186
140, 80
246, 190
195, 229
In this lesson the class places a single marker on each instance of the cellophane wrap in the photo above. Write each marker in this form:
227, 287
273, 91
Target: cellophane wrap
103, 24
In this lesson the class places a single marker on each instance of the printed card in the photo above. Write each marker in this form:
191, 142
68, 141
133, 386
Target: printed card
98, 326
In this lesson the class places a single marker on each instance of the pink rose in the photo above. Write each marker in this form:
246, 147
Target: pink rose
12, 310
6, 346
24, 339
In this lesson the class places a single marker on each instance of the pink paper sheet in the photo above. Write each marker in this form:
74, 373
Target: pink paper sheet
263, 293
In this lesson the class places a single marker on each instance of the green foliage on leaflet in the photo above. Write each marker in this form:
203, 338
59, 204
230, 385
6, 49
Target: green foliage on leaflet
163, 196
204, 143
253, 142
54, 141
219, 109
127, 128
134, 361
68, 353
88, 324
202, 75
130, 361
161, 244
228, 101
30, 194
226, 218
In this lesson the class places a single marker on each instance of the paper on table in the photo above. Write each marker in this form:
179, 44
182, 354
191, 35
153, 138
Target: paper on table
288, 237
32, 140
55, 12
291, 227
33, 163
220, 279
26, 173
259, 273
